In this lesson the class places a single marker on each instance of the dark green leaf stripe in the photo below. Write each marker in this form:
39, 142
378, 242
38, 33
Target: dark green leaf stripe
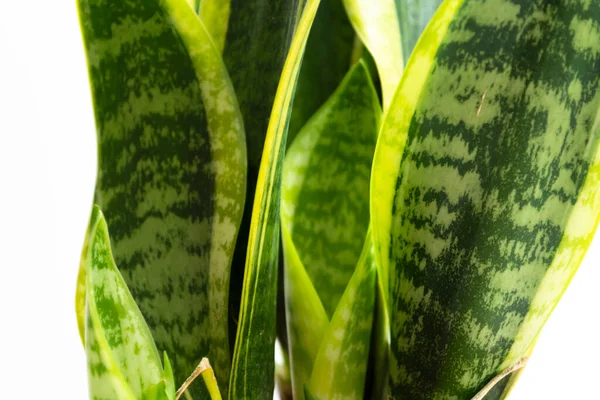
326, 61
485, 188
171, 169
123, 362
252, 375
413, 17
325, 200
340, 368
255, 37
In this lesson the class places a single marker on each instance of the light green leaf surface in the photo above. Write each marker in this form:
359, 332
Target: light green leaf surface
254, 38
325, 212
306, 318
171, 170
413, 17
376, 24
123, 362
308, 395
485, 187
255, 338
325, 197
340, 369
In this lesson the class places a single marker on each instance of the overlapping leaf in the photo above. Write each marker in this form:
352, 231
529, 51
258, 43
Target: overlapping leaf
413, 17
376, 24
325, 216
485, 190
172, 169
255, 338
123, 362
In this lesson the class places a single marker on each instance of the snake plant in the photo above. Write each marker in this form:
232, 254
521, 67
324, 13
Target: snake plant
397, 191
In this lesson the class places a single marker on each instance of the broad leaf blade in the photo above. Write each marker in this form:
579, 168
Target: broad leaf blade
325, 198
340, 368
171, 169
413, 17
306, 318
122, 358
486, 187
376, 24
255, 338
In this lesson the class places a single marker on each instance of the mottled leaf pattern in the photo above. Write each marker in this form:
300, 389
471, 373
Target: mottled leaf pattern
123, 362
325, 198
255, 340
376, 24
485, 189
171, 169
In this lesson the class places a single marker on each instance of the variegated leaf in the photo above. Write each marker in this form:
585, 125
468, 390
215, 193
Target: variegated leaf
485, 186
171, 169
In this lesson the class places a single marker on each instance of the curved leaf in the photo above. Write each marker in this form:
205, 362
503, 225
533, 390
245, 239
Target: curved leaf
325, 200
171, 169
215, 16
123, 362
340, 368
376, 24
485, 190
255, 340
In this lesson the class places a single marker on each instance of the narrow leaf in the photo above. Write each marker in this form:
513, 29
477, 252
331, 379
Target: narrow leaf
486, 187
255, 340
340, 368
255, 38
376, 24
122, 358
413, 17
171, 169
306, 318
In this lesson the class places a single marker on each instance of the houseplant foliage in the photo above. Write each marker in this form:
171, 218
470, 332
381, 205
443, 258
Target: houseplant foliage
431, 169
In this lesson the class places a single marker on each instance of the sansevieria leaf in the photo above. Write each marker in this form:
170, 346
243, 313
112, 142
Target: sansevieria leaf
340, 368
376, 24
325, 213
255, 340
123, 362
413, 17
171, 170
326, 61
485, 187
254, 38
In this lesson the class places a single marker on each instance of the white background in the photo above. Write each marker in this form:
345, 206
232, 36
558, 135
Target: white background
47, 171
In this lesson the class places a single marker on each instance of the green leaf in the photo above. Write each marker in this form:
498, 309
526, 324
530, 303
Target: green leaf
413, 17
215, 16
325, 212
485, 187
326, 61
255, 338
123, 362
376, 24
308, 395
255, 37
325, 196
171, 169
306, 318
340, 368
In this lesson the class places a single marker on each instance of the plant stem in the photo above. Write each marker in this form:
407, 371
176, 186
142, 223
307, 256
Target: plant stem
208, 375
